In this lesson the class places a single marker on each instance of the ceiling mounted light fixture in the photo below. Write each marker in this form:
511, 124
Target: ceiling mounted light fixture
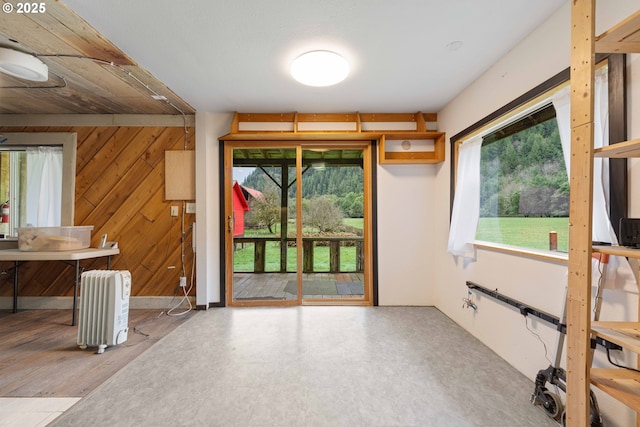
22, 65
320, 68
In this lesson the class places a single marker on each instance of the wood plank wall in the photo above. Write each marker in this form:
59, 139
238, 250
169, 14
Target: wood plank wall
120, 191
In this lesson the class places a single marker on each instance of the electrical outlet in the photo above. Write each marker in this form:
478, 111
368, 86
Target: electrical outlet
174, 211
183, 281
191, 208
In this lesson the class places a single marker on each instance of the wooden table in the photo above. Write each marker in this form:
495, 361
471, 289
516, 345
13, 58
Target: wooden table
18, 256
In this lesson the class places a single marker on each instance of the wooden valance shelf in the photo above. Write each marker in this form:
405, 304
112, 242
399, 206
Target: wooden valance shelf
403, 138
333, 122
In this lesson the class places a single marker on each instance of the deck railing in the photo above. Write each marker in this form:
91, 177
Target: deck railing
308, 245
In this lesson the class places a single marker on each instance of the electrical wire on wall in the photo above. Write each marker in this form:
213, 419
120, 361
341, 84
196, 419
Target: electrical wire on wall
186, 291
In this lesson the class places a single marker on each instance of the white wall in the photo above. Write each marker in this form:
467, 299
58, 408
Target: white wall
208, 128
541, 284
406, 218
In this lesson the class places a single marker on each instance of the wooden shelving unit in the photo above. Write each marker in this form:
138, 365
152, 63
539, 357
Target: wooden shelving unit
622, 150
622, 251
621, 384
621, 38
389, 129
409, 156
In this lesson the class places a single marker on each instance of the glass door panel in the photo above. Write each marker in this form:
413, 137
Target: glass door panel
333, 223
264, 224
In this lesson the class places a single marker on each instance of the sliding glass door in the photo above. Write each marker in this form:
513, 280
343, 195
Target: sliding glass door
297, 223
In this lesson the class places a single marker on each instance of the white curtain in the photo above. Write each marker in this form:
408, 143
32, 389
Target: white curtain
466, 204
619, 273
44, 186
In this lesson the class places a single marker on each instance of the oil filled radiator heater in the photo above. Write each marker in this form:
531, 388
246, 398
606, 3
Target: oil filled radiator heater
104, 308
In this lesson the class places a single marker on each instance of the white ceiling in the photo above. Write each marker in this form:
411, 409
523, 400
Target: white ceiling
234, 55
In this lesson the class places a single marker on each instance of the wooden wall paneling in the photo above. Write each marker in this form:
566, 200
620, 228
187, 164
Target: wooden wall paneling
131, 210
97, 167
128, 167
164, 281
166, 232
122, 199
172, 139
118, 214
90, 142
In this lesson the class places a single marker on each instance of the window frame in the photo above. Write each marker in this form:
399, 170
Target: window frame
618, 184
68, 142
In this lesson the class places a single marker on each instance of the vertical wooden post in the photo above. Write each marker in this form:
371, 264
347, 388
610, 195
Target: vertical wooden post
359, 256
259, 256
334, 256
307, 256
580, 212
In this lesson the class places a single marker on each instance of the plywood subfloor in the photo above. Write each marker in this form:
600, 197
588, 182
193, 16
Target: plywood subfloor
39, 356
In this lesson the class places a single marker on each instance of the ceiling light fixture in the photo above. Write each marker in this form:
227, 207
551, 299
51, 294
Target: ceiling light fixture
22, 65
319, 68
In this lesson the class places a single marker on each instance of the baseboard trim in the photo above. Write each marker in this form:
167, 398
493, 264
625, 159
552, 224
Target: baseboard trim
66, 303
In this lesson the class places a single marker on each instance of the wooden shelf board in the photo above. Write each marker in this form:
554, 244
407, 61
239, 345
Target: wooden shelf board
621, 384
618, 251
621, 38
412, 157
625, 334
622, 150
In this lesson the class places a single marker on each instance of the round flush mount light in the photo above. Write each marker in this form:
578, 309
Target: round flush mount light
319, 68
22, 65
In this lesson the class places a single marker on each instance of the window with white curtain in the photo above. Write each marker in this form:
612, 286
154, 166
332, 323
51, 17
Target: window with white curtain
523, 186
30, 187
37, 180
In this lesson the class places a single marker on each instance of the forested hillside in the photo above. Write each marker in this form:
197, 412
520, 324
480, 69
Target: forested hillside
338, 181
524, 174
342, 185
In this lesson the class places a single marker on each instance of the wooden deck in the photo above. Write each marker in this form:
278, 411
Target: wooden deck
273, 286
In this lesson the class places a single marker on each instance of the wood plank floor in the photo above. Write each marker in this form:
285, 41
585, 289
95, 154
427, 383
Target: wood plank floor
39, 356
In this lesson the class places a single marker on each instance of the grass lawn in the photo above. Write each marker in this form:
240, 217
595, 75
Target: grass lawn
354, 222
525, 232
243, 258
